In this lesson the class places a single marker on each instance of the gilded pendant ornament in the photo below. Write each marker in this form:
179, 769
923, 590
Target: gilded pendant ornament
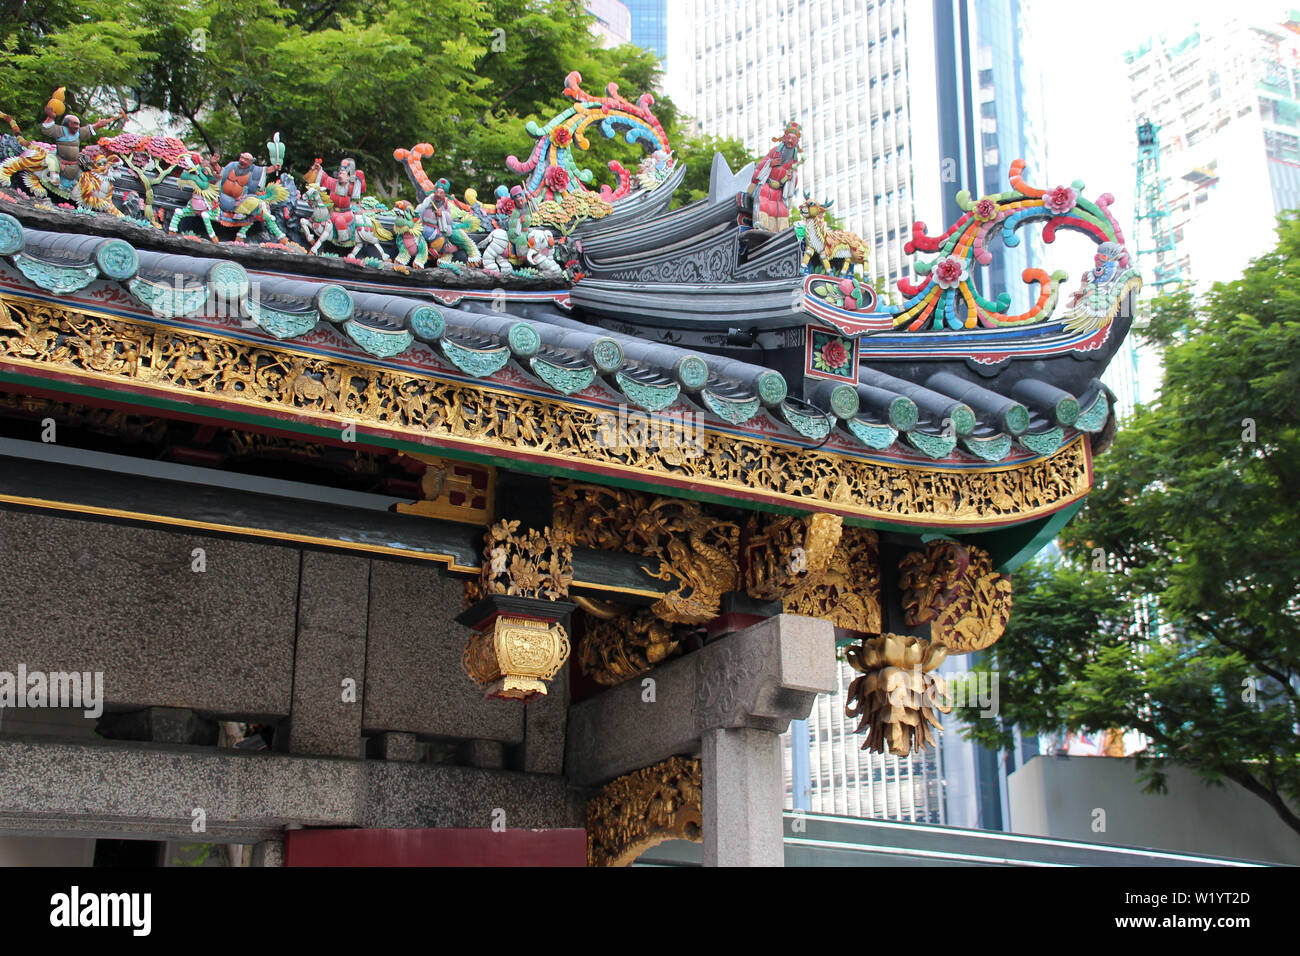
620, 648
428, 410
897, 692
696, 551
642, 809
515, 658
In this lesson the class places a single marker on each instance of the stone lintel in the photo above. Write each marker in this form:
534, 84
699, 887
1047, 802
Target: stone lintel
151, 791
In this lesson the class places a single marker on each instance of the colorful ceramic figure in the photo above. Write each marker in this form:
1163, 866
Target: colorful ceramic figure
243, 193
775, 178
363, 226
541, 253
830, 245
341, 189
200, 180
411, 245
63, 165
435, 212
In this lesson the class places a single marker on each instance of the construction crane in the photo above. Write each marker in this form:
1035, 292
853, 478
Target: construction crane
1155, 236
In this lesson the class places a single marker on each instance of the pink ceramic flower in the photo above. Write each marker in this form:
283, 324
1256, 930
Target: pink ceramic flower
562, 136
834, 354
557, 178
949, 272
986, 210
1060, 200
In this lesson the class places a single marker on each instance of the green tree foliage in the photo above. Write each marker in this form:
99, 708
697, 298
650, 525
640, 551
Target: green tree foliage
337, 77
1195, 511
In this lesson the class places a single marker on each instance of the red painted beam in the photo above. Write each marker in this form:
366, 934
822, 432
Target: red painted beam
436, 847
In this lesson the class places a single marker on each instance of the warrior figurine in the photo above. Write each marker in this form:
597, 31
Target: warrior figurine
68, 137
348, 184
775, 178
435, 216
244, 189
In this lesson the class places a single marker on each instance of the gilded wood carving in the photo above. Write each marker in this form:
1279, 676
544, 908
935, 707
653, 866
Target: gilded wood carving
897, 692
643, 809
430, 410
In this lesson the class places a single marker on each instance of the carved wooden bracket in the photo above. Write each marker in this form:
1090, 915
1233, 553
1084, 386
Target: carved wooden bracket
847, 593
956, 590
784, 554
619, 648
693, 549
643, 809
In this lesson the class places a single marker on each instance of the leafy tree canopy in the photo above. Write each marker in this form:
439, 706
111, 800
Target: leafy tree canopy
1193, 518
337, 77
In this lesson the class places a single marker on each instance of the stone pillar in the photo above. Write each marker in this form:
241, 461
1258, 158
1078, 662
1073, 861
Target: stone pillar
742, 798
729, 701
333, 604
268, 853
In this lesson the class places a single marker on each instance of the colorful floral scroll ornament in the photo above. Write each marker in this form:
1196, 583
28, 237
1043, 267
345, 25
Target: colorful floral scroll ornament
947, 297
551, 169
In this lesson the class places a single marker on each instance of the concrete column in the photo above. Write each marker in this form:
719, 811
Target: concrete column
742, 798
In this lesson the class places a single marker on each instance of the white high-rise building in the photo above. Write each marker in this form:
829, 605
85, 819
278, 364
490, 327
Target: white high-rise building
1226, 100
857, 75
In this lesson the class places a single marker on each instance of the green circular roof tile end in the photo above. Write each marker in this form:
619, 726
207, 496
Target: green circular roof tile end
1016, 419
844, 401
692, 373
1067, 411
335, 303
11, 235
427, 323
903, 414
771, 388
606, 355
523, 340
963, 419
116, 260
229, 280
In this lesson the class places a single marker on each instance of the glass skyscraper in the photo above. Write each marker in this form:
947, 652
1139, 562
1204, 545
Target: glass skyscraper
649, 24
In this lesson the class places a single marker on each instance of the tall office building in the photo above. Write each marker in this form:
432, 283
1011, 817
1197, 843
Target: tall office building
901, 105
649, 24
1226, 99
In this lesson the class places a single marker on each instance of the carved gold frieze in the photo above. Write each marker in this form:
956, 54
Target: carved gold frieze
848, 593
897, 692
696, 551
483, 420
516, 656
784, 553
643, 809
619, 648
956, 590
